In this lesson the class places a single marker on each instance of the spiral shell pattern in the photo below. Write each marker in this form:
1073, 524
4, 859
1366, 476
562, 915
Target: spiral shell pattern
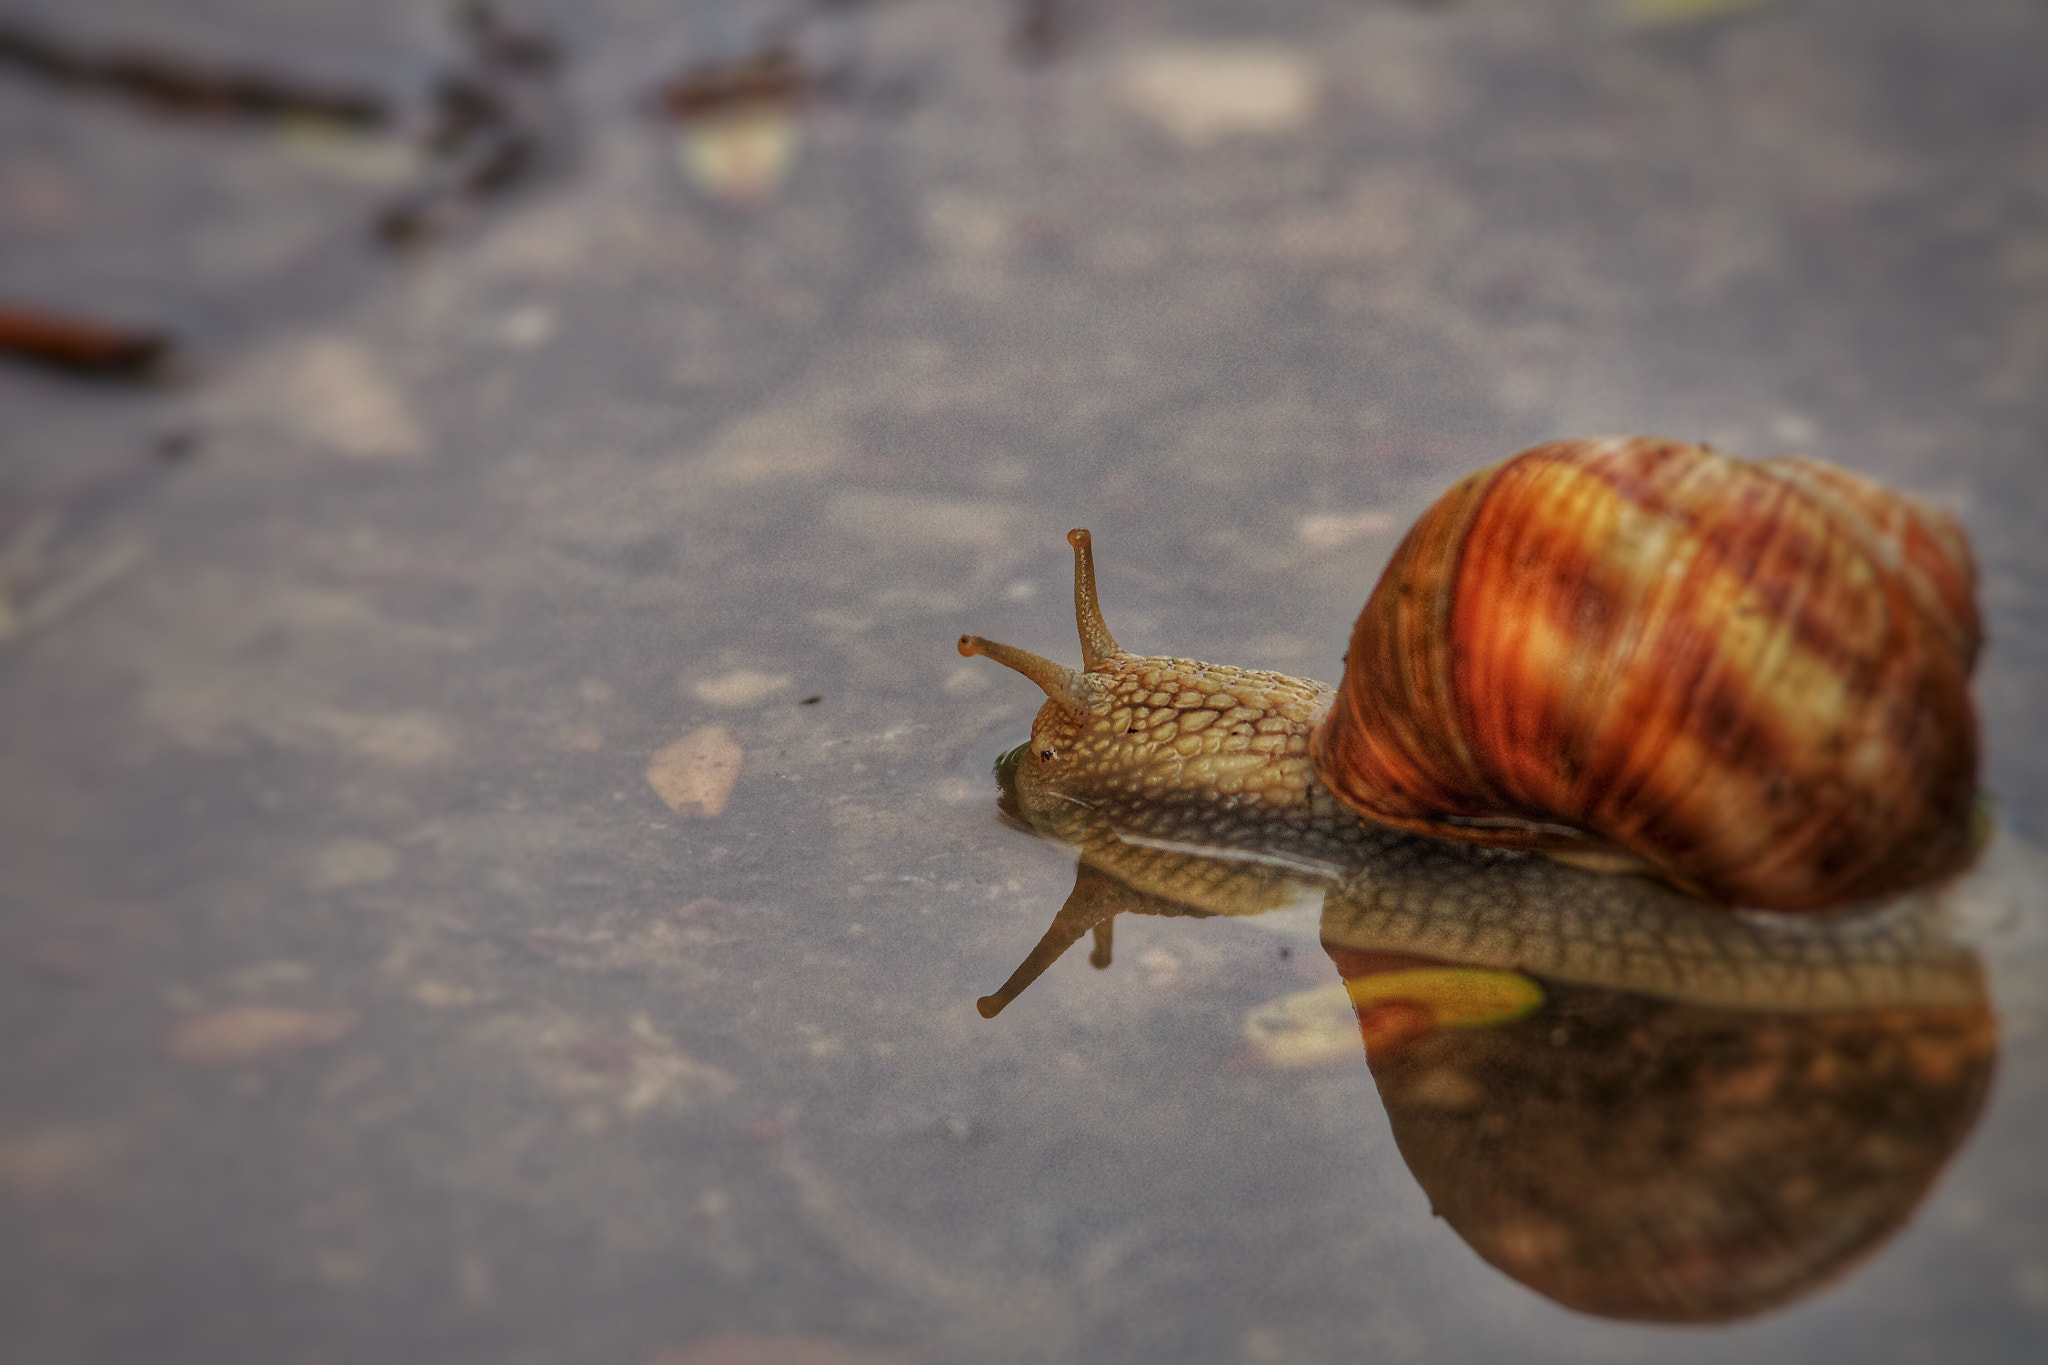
1755, 677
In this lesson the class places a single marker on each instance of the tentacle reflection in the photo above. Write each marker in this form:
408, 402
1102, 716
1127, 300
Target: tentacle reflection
1640, 1106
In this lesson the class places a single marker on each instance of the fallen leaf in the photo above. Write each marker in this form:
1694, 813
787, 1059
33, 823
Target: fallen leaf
1327, 1024
743, 157
695, 775
255, 1033
1457, 997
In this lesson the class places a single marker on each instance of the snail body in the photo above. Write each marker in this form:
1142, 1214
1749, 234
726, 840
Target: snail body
1749, 679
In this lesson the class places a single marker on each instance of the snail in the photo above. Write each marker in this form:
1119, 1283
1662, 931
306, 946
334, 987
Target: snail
1385, 893
1632, 1102
1628, 653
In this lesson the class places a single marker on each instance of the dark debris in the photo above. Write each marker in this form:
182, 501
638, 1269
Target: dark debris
181, 86
82, 346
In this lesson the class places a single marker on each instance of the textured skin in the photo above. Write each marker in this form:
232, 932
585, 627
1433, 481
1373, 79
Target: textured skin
1530, 914
1189, 788
1191, 751
1224, 817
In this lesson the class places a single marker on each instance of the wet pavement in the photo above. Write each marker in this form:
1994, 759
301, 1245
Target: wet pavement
500, 850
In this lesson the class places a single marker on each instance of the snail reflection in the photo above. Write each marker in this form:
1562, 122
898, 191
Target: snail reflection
1637, 1106
1617, 1088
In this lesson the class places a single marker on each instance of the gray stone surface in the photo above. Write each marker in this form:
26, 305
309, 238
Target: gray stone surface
366, 1003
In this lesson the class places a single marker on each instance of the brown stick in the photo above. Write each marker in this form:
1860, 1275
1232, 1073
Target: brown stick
80, 345
774, 75
179, 86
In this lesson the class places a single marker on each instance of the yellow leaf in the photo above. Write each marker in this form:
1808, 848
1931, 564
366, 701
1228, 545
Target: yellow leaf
743, 157
1456, 996
1314, 1027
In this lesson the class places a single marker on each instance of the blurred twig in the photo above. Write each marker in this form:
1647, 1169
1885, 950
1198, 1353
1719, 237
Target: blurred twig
180, 86
496, 120
774, 75
82, 346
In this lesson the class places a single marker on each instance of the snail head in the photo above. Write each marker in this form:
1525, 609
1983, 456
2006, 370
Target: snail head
1077, 700
1124, 729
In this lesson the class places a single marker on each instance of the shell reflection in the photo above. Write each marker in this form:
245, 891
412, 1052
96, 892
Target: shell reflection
1636, 1105
1651, 1159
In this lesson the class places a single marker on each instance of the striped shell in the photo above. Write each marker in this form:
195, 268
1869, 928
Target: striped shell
1755, 677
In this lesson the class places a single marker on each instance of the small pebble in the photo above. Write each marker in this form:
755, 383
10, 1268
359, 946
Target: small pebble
1203, 94
695, 775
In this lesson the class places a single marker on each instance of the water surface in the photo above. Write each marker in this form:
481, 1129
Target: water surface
369, 1003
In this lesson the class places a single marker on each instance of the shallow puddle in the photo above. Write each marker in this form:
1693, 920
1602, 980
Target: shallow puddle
500, 848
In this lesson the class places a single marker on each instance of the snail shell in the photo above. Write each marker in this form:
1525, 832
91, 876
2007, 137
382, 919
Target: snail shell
1755, 677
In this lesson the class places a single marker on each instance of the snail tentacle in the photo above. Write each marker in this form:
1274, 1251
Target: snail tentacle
1098, 646
1061, 683
1076, 920
1091, 910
